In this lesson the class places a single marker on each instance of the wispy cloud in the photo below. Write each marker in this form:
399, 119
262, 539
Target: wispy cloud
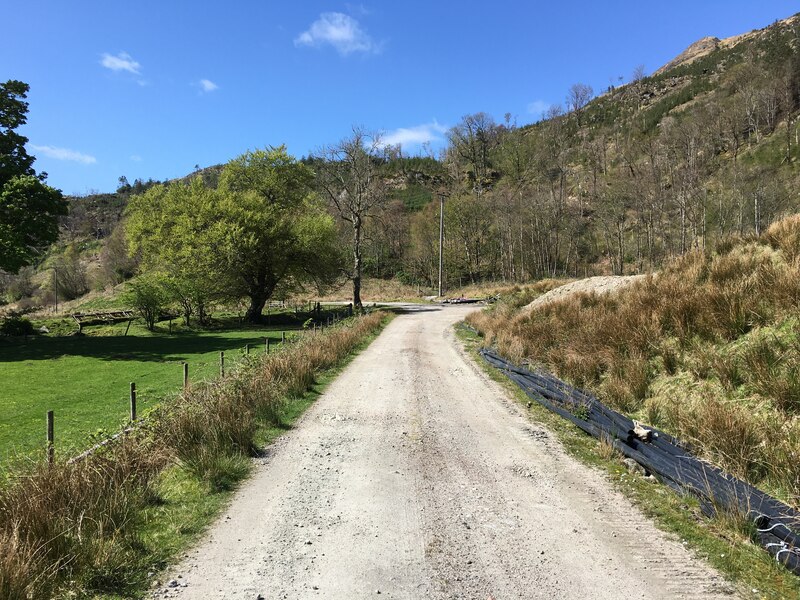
416, 135
64, 154
357, 9
121, 62
206, 85
135, 158
538, 107
339, 30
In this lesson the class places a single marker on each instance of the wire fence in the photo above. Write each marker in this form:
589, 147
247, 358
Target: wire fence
316, 324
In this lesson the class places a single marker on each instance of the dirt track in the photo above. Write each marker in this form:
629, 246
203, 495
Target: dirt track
414, 476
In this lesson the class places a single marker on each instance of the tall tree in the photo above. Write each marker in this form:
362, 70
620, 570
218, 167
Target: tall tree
347, 176
29, 209
14, 159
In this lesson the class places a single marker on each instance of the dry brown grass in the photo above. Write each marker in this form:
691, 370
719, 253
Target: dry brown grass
372, 290
722, 328
491, 289
75, 524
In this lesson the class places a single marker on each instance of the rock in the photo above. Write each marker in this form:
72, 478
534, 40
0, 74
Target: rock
44, 329
634, 467
173, 583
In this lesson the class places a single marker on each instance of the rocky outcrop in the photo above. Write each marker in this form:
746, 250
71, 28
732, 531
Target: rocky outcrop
697, 50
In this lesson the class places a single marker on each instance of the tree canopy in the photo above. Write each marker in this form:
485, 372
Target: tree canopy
262, 231
29, 209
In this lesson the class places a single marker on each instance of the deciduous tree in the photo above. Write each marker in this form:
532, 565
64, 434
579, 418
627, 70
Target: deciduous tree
29, 209
347, 176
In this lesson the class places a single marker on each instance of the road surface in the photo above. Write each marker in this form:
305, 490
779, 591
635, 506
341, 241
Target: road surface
415, 476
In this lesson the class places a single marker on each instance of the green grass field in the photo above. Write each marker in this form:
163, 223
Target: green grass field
86, 379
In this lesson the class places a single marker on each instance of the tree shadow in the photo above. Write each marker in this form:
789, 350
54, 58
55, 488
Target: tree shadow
155, 348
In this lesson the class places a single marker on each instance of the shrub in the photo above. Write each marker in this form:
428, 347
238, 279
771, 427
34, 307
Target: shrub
147, 294
785, 235
16, 326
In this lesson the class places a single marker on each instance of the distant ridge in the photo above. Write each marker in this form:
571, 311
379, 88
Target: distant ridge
707, 45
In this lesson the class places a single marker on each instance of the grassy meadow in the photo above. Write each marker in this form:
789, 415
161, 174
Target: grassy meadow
86, 379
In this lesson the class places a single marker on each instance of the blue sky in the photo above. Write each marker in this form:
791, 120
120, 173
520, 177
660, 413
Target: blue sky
152, 88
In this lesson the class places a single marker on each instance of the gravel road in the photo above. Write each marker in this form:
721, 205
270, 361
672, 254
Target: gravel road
414, 476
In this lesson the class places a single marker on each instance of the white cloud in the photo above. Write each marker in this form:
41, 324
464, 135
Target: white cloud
121, 62
340, 31
207, 85
415, 136
135, 158
538, 107
64, 154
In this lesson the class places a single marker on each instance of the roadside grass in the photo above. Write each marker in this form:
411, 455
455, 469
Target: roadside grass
723, 544
97, 527
708, 349
85, 379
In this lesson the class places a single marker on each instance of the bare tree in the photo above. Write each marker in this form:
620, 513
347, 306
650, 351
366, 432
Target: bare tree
347, 177
578, 97
472, 142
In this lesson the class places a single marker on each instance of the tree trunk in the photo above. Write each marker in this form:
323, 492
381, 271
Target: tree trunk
357, 263
260, 291
257, 301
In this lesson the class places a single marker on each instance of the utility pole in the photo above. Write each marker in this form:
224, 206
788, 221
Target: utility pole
441, 239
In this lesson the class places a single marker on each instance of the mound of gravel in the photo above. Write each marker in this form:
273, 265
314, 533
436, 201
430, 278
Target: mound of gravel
603, 284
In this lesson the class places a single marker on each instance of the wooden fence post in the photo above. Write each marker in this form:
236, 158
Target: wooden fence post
283, 337
51, 447
133, 401
222, 364
266, 345
247, 348
185, 375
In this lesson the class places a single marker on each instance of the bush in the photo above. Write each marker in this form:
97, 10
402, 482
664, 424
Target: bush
16, 326
21, 285
148, 295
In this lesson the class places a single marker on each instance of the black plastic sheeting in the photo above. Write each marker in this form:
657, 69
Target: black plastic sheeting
777, 525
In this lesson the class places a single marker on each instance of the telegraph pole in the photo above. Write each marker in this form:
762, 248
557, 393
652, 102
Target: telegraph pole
441, 239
